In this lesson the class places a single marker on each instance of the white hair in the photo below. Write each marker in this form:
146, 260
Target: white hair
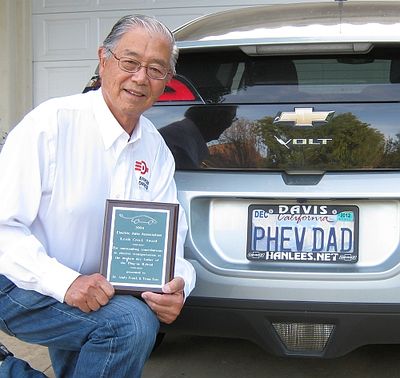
150, 24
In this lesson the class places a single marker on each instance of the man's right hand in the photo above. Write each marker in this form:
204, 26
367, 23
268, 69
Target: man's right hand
89, 293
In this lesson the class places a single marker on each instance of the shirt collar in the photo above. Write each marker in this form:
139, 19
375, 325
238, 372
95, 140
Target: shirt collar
109, 127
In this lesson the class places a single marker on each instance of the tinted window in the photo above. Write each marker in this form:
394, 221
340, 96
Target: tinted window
231, 77
291, 113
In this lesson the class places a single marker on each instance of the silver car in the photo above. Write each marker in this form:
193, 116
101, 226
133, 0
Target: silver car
284, 121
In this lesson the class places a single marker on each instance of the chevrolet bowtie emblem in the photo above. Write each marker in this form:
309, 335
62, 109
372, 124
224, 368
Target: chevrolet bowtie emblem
304, 117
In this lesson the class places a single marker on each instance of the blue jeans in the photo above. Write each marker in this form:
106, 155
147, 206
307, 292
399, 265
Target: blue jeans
114, 341
14, 367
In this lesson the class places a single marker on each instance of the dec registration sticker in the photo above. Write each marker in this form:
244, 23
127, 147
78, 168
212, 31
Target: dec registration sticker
303, 233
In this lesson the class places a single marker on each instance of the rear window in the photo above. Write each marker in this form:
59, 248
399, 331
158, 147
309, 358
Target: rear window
234, 77
283, 113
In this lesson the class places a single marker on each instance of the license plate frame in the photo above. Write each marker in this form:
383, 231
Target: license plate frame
303, 233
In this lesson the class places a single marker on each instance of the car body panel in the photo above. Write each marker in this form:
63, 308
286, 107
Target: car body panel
339, 21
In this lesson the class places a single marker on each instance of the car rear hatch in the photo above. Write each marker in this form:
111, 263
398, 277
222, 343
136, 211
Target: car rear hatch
288, 163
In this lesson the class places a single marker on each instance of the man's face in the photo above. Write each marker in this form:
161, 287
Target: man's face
128, 95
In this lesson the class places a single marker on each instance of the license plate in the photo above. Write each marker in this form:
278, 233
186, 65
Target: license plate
303, 233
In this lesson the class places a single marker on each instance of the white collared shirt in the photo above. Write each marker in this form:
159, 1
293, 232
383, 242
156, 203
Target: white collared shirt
57, 168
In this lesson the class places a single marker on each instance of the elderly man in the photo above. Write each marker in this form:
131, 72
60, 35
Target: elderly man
58, 167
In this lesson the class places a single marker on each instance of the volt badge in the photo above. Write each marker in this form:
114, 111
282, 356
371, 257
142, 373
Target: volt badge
304, 117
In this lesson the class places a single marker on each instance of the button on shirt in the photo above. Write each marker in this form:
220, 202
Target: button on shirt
58, 167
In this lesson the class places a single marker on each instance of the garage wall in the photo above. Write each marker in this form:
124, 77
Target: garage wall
66, 34
15, 63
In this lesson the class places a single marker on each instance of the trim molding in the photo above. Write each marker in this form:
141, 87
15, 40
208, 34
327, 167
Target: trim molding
16, 63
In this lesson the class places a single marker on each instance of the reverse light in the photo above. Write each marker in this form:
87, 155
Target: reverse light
304, 337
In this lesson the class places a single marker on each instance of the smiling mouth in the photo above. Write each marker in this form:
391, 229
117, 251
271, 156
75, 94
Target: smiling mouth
133, 93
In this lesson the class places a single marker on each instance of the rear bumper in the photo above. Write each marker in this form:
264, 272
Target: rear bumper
354, 325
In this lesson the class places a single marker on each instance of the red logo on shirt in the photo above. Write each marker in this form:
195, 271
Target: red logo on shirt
141, 166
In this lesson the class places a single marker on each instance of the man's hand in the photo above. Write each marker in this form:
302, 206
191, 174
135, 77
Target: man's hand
89, 293
167, 306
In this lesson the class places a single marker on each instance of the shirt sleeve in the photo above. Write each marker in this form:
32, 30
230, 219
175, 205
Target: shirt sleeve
25, 168
164, 190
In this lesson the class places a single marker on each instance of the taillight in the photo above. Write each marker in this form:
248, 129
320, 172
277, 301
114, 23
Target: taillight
177, 90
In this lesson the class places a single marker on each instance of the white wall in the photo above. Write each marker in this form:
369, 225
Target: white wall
15, 62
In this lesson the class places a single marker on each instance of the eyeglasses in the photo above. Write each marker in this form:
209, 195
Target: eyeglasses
153, 71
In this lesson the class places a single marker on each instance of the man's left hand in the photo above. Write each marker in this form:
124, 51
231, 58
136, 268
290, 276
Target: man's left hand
168, 305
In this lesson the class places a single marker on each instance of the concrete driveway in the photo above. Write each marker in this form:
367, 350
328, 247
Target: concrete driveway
206, 357
203, 357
